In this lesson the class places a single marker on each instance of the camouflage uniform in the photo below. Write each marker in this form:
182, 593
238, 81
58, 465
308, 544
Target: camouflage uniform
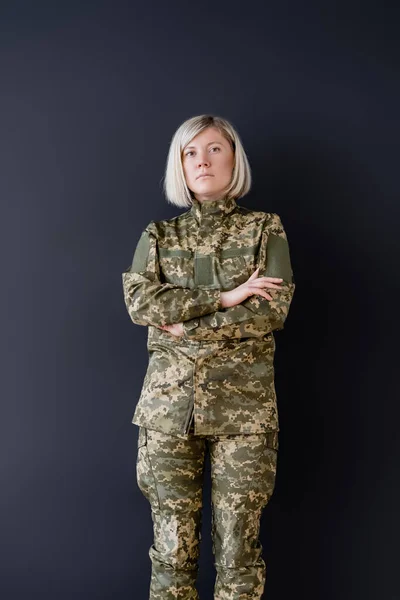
211, 389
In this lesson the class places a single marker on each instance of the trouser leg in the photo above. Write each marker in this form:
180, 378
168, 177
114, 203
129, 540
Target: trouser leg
243, 471
170, 475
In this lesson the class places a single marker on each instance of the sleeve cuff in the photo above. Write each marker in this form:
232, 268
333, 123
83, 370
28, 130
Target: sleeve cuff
214, 298
189, 325
208, 301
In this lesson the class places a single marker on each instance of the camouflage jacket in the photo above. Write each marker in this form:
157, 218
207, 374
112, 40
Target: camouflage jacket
221, 371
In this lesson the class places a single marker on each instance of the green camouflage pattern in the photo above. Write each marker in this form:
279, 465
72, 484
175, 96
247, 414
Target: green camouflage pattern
220, 373
170, 475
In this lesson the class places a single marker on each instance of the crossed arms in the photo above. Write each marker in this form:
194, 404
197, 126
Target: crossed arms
150, 302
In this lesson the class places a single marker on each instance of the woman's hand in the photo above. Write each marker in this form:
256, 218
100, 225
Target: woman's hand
175, 329
254, 285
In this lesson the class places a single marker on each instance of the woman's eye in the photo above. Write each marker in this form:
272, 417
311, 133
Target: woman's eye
190, 152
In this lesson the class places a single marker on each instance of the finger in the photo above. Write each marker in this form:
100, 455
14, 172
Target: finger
254, 275
260, 292
263, 282
264, 295
273, 286
278, 285
272, 279
266, 284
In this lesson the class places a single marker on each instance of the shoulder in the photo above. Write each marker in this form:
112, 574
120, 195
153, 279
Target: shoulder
271, 222
265, 218
157, 227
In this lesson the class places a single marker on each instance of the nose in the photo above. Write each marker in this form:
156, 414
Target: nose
203, 160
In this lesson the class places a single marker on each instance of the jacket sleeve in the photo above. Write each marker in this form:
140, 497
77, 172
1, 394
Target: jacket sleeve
256, 316
150, 302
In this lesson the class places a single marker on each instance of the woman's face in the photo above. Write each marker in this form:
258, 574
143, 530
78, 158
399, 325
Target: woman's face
208, 153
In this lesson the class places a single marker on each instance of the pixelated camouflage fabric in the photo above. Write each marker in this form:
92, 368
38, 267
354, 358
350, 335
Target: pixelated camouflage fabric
220, 373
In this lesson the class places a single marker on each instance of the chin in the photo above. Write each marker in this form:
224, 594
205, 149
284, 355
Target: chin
208, 186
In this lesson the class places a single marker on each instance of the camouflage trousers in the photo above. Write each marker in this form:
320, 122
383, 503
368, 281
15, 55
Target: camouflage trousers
170, 475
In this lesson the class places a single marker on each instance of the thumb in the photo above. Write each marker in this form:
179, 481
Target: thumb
254, 275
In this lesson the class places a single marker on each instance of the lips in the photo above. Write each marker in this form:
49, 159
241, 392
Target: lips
205, 175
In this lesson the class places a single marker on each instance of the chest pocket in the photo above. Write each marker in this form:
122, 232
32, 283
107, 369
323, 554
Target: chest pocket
235, 265
176, 266
226, 270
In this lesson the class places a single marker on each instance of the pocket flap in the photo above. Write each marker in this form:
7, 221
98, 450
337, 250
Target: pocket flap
142, 437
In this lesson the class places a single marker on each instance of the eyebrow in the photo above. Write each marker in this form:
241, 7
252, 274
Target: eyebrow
216, 142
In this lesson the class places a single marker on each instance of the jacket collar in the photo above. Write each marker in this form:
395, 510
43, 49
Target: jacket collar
221, 207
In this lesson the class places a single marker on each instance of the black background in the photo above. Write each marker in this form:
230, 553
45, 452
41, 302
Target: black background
91, 94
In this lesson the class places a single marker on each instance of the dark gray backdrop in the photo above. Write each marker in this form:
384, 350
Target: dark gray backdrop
91, 94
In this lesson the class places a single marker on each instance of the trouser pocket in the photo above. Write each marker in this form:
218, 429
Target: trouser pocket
272, 439
144, 472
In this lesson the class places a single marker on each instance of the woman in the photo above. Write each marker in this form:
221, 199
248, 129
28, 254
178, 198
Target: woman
212, 284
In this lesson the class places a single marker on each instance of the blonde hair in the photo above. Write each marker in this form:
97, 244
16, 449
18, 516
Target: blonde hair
175, 187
